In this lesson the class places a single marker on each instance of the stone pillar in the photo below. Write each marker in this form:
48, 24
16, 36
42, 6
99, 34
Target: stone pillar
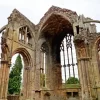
95, 72
4, 77
85, 88
37, 74
83, 67
56, 79
80, 76
48, 72
26, 90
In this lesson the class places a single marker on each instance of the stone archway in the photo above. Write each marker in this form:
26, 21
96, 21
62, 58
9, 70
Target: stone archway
27, 75
53, 27
12, 43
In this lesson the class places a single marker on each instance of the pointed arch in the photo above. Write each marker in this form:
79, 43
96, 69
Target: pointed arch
65, 14
25, 54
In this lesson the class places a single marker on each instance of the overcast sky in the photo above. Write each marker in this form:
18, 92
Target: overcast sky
35, 9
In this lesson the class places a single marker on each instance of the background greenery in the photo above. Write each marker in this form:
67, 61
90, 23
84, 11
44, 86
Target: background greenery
15, 78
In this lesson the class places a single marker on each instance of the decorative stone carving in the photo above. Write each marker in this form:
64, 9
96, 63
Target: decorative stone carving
20, 19
72, 16
56, 20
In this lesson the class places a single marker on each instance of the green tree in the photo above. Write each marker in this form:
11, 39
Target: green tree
72, 80
15, 77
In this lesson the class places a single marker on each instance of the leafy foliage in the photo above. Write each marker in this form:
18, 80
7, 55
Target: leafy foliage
15, 77
72, 80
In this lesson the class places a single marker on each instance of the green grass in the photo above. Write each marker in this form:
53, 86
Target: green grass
71, 85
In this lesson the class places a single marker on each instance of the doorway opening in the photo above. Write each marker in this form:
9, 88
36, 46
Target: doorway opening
16, 75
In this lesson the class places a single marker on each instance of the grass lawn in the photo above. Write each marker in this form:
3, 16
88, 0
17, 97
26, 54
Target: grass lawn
71, 85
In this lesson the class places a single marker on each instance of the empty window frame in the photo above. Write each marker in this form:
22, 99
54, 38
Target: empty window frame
68, 58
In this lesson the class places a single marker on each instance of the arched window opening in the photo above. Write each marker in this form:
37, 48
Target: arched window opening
43, 65
29, 39
68, 58
22, 34
25, 35
16, 75
23, 38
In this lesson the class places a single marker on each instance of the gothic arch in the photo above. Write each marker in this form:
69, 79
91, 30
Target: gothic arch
25, 54
95, 48
56, 30
41, 41
53, 27
27, 73
65, 14
96, 55
44, 49
96, 41
95, 69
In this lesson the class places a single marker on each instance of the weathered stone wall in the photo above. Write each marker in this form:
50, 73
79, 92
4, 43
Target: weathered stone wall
13, 97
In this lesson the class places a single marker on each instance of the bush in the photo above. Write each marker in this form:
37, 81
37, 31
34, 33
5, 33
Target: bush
72, 80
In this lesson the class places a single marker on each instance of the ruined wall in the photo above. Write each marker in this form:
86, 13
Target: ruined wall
22, 36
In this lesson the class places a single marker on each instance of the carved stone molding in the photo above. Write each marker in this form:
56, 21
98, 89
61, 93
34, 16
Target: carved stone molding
56, 10
19, 18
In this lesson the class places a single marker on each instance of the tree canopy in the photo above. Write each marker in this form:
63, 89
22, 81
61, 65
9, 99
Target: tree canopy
72, 80
15, 77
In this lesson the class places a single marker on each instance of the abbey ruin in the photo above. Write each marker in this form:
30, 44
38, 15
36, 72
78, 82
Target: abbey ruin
41, 46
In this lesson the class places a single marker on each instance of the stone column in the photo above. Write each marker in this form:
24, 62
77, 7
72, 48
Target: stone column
26, 84
26, 89
56, 76
85, 88
37, 76
4, 77
48, 71
95, 72
37, 73
83, 67
80, 75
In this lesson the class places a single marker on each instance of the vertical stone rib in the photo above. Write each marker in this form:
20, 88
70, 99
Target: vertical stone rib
3, 79
80, 75
7, 80
1, 74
